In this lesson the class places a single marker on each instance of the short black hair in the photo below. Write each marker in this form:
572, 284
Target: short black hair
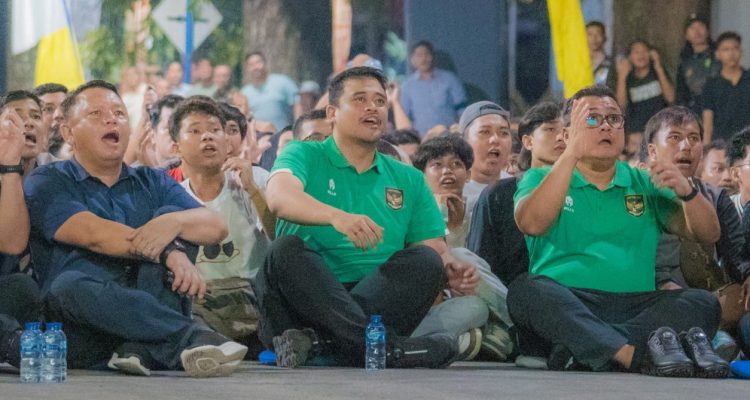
308, 116
232, 113
717, 144
440, 146
423, 43
670, 116
403, 136
546, 111
636, 41
337, 84
70, 100
728, 35
597, 24
738, 146
47, 88
155, 111
589, 91
193, 105
255, 53
16, 95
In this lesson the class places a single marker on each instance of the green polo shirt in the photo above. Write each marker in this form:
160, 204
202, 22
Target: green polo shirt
602, 239
391, 193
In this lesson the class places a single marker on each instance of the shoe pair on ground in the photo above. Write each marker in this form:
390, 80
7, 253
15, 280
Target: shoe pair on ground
295, 347
687, 354
209, 355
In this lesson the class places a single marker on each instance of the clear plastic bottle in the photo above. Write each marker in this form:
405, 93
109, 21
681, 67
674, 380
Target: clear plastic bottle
31, 352
54, 358
375, 343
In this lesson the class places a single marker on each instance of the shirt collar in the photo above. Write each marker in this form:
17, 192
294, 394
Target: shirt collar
80, 173
622, 177
339, 161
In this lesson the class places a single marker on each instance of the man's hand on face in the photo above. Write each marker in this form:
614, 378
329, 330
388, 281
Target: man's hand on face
243, 168
187, 279
360, 229
665, 174
463, 278
577, 142
12, 140
149, 240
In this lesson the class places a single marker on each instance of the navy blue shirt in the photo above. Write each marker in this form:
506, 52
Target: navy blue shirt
56, 192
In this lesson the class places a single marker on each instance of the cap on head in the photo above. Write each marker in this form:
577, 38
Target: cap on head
478, 109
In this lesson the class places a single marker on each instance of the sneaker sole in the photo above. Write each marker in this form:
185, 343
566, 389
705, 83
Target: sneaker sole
714, 372
212, 361
289, 351
670, 371
475, 345
130, 366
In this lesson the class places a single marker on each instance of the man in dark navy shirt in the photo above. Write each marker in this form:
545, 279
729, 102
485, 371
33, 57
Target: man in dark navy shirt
103, 238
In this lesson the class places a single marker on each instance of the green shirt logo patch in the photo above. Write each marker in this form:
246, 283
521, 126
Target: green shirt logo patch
394, 198
634, 204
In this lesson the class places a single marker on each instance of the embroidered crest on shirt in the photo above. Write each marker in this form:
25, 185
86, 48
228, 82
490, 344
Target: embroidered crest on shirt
331, 187
568, 204
394, 198
634, 204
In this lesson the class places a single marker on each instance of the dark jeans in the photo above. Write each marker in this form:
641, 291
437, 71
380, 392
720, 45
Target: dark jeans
103, 311
297, 290
744, 334
594, 325
19, 302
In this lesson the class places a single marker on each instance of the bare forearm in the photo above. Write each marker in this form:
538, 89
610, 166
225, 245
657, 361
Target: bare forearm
536, 213
400, 119
287, 199
200, 226
666, 86
708, 126
14, 218
98, 235
702, 224
622, 92
267, 219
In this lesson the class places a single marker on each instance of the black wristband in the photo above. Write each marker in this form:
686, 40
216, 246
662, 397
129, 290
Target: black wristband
690, 195
11, 169
172, 246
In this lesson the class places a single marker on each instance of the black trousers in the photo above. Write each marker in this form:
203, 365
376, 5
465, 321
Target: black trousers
594, 325
19, 302
297, 290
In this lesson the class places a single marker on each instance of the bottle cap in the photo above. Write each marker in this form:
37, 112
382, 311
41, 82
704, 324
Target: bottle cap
54, 326
32, 326
267, 357
375, 318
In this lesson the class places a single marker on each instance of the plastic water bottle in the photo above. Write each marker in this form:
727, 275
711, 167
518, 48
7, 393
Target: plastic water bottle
54, 355
31, 352
375, 342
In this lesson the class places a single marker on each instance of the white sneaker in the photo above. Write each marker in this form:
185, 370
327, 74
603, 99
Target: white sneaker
469, 344
129, 365
209, 361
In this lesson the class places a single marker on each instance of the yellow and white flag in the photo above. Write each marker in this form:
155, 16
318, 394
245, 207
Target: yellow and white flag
569, 42
47, 23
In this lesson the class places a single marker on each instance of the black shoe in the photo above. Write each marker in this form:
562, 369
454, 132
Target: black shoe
708, 364
561, 359
294, 347
10, 347
667, 358
431, 351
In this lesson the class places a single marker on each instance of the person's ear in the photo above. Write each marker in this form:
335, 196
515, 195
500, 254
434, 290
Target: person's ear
527, 142
651, 152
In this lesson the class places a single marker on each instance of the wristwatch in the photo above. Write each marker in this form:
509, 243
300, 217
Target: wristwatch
692, 193
11, 169
172, 246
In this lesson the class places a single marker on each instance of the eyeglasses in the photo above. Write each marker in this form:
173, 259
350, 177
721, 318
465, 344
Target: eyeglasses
616, 121
211, 252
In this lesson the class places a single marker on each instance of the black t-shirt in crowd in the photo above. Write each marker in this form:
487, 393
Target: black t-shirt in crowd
730, 104
645, 99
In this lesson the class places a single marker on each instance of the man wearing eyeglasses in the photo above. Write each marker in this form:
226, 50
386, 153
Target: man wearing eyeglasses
592, 225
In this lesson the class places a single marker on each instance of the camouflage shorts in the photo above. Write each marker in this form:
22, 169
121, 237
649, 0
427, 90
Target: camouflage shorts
229, 307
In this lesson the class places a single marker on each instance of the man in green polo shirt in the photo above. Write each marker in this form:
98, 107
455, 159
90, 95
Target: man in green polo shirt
592, 225
358, 234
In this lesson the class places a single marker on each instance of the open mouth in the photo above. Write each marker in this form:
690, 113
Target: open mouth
606, 141
111, 137
683, 162
30, 138
373, 122
449, 181
495, 153
208, 149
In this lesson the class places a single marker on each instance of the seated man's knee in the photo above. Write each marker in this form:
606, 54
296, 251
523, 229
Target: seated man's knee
20, 285
69, 284
284, 252
702, 300
430, 264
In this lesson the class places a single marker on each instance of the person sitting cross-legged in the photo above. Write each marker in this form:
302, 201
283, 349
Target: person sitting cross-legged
110, 245
592, 224
358, 234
